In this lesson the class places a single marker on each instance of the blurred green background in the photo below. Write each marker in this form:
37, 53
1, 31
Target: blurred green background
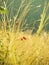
32, 17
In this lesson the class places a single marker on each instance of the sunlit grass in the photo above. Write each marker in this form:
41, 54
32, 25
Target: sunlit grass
43, 19
23, 48
16, 50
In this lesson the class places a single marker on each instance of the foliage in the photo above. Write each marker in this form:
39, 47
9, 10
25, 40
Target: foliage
43, 21
3, 10
23, 48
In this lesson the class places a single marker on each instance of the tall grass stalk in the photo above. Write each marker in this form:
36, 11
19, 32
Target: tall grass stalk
23, 14
43, 16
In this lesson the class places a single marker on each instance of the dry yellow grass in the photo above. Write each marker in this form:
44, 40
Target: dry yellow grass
34, 50
21, 48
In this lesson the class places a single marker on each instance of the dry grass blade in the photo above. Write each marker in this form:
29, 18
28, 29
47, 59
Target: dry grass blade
15, 17
43, 15
23, 14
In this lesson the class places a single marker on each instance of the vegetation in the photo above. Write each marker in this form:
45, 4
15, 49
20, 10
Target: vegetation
3, 10
23, 48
